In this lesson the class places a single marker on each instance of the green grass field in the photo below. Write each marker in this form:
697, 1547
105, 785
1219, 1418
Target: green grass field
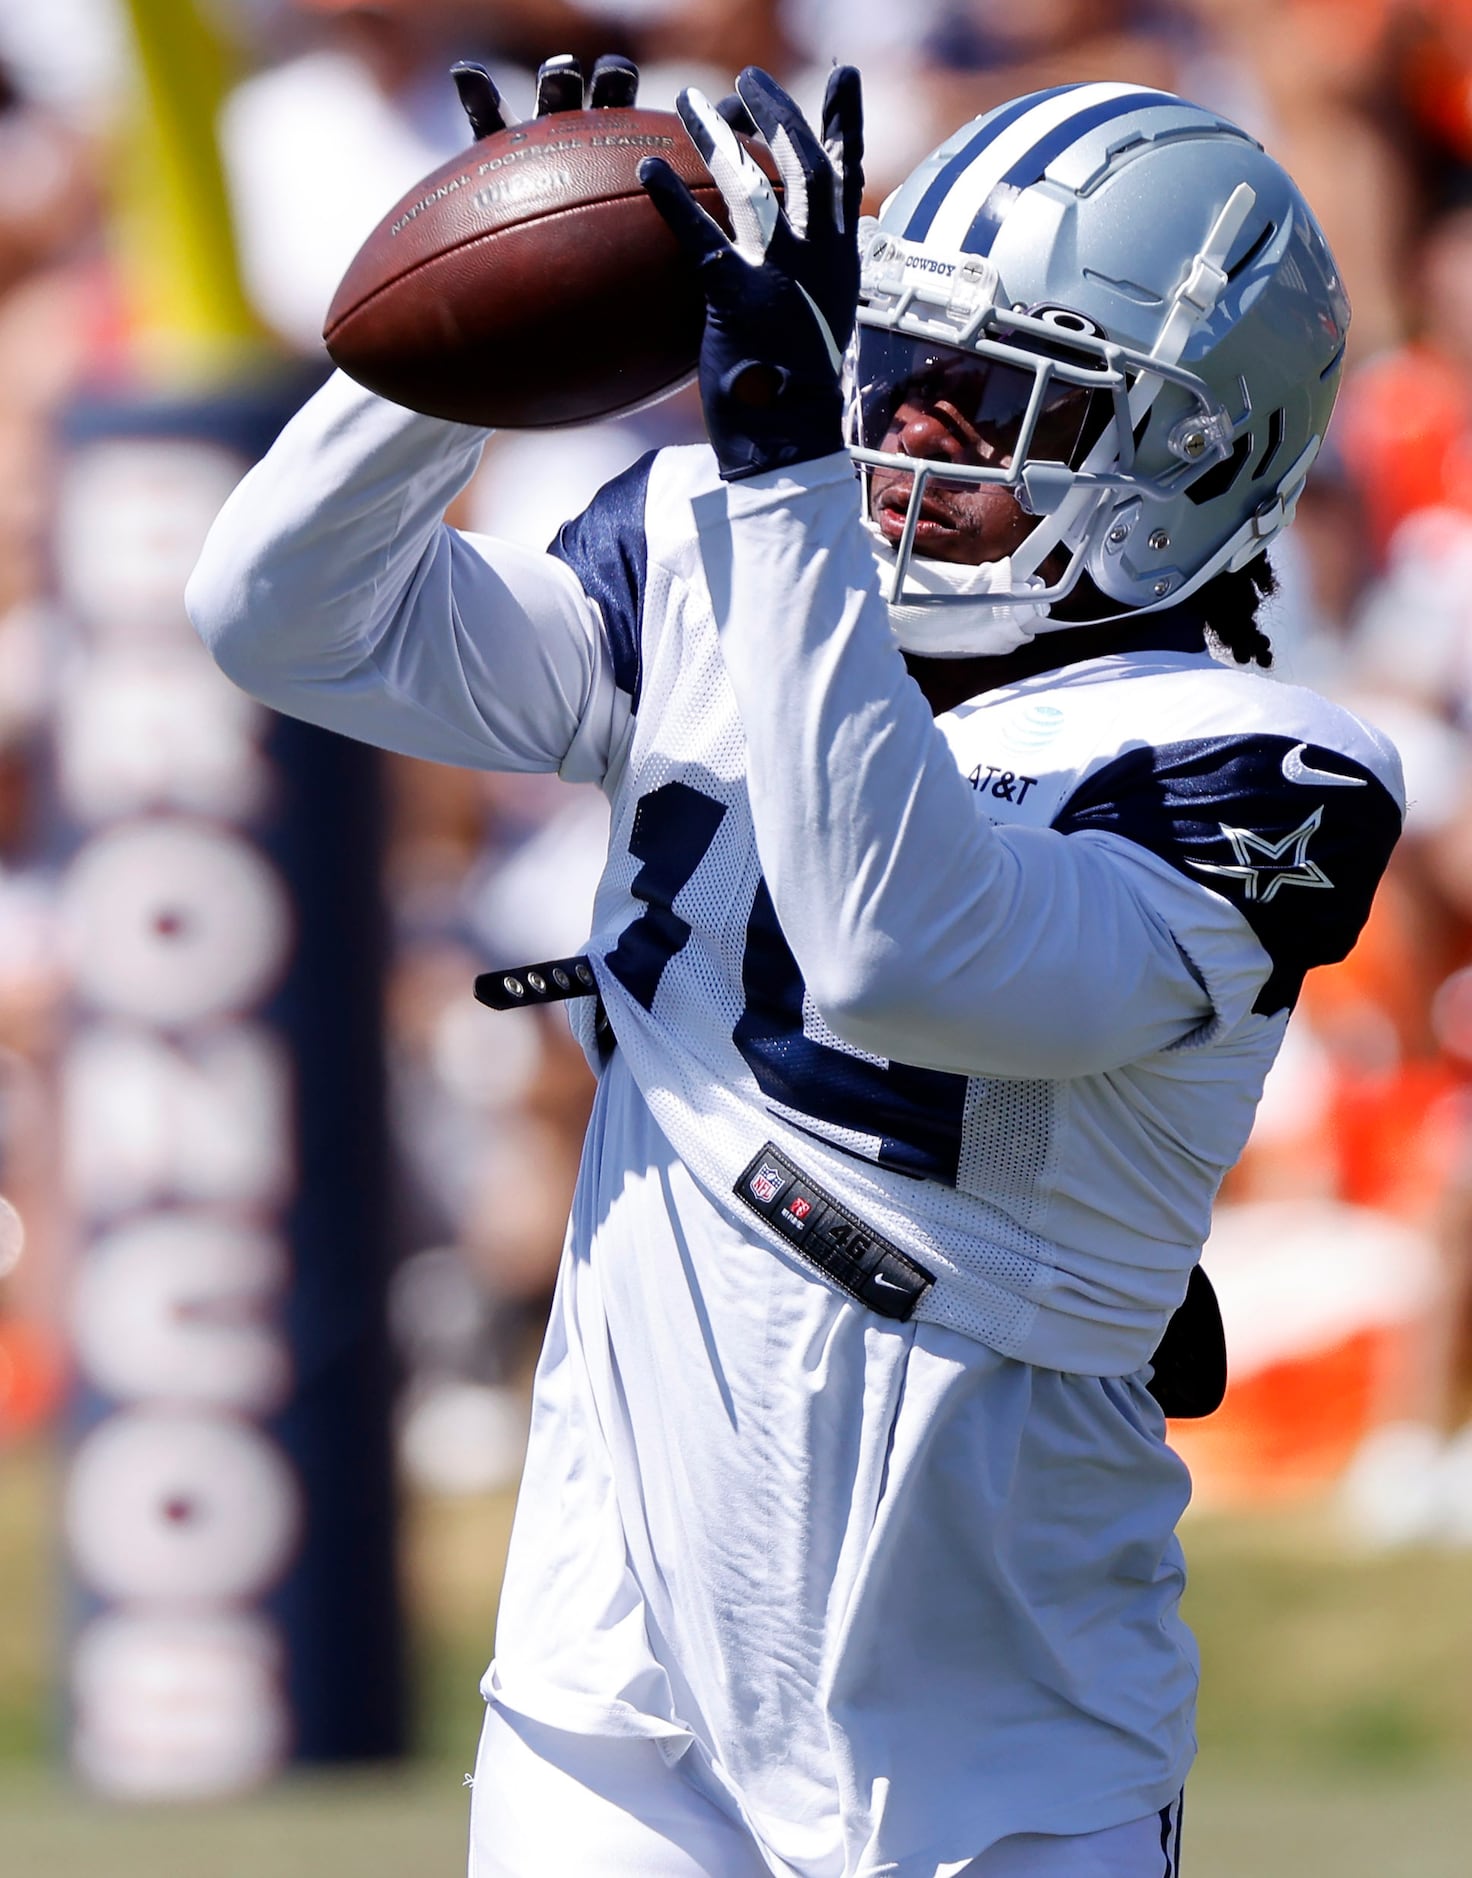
412, 1826
1336, 1717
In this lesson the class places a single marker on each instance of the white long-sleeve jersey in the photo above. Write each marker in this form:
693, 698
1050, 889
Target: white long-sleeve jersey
985, 1001
1003, 986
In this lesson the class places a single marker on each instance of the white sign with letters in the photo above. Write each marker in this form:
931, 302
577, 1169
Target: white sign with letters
182, 1511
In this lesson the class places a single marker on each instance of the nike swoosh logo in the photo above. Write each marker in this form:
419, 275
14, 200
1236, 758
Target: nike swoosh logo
1295, 770
887, 1284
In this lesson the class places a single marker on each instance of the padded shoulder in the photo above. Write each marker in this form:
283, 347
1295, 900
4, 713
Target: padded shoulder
642, 516
1294, 834
607, 547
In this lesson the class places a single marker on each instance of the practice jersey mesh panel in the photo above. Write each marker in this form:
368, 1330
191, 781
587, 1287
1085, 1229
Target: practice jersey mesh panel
815, 1025
1005, 1139
700, 744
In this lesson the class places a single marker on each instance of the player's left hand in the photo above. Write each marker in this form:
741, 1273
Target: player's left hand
614, 85
782, 294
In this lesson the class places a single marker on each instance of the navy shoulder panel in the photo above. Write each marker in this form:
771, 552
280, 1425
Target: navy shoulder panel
1295, 835
607, 549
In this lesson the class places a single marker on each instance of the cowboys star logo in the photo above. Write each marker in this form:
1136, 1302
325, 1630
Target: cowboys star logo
1264, 866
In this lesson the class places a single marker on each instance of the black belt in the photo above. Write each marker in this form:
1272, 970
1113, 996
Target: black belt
548, 983
822, 1230
1190, 1364
551, 982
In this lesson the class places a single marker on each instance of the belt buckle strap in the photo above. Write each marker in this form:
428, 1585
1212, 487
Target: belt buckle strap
821, 1230
548, 983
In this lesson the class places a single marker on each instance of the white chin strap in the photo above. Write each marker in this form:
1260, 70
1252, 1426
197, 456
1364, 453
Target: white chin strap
999, 622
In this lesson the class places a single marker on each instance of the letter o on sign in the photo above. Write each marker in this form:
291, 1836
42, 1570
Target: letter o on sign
179, 1708
180, 1508
173, 922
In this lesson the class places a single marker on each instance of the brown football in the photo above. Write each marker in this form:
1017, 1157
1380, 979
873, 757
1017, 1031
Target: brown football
530, 282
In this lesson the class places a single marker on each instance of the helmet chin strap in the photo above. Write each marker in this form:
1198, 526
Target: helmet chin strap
998, 622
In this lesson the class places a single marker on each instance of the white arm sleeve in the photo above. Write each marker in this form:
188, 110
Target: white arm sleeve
330, 587
924, 933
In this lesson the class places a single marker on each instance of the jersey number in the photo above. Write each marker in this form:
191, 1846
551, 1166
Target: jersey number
673, 829
916, 1113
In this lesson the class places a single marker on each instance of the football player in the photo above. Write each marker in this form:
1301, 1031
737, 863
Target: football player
964, 872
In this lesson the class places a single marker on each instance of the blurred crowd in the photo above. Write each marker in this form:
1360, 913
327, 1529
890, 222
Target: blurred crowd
1344, 1255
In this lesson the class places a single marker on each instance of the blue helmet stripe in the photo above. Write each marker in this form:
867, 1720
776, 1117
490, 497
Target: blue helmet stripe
1030, 168
918, 226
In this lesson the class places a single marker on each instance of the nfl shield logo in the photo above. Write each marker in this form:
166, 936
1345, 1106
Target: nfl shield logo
767, 1182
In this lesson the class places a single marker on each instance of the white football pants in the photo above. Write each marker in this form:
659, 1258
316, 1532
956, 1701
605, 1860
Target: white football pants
551, 1805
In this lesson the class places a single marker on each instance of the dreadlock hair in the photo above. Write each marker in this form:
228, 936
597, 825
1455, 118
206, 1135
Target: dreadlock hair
1229, 603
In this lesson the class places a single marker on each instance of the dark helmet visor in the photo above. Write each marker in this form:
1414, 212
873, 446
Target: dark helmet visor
980, 402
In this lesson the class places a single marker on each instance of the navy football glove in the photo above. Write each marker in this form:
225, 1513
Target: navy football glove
780, 296
613, 86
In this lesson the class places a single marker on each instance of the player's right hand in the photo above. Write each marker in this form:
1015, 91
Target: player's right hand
782, 290
614, 85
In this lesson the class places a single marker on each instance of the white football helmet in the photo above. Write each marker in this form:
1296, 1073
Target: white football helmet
1133, 304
